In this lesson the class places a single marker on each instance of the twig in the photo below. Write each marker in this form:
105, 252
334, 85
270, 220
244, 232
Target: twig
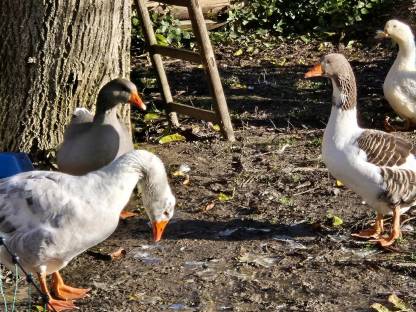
307, 191
407, 220
308, 169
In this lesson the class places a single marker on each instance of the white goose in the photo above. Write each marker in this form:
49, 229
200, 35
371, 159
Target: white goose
378, 166
400, 84
48, 218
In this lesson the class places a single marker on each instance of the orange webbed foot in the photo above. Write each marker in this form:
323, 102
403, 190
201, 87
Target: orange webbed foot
373, 232
70, 293
395, 231
65, 292
60, 305
384, 242
368, 233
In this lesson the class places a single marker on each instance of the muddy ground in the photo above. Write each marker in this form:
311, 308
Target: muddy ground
271, 243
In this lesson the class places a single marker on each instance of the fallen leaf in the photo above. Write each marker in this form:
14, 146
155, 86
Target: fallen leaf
238, 52
151, 116
223, 197
336, 221
338, 183
216, 128
209, 206
186, 181
379, 307
176, 137
398, 303
119, 253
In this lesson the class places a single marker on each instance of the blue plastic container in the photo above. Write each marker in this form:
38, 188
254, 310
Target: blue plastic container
13, 163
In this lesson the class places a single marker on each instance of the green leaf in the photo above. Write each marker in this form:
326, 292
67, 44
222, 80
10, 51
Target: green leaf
135, 21
223, 197
238, 52
216, 128
161, 40
379, 307
176, 137
336, 221
305, 39
40, 308
151, 116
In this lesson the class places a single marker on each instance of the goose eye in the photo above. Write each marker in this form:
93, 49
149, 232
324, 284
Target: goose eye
166, 214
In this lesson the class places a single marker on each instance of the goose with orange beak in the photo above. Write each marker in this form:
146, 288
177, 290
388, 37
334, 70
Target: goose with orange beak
47, 218
378, 166
93, 141
399, 85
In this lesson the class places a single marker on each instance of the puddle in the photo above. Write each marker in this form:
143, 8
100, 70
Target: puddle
195, 264
289, 241
362, 253
260, 260
145, 256
229, 232
240, 276
250, 229
180, 307
206, 270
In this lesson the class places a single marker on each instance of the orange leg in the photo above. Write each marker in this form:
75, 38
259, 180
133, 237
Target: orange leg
127, 214
64, 292
395, 230
373, 232
54, 304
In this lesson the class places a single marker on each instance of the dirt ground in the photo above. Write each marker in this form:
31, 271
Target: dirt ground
255, 229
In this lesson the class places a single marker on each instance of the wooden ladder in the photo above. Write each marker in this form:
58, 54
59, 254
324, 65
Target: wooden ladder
205, 56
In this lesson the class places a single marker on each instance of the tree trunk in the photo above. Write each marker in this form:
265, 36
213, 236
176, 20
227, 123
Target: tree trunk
54, 56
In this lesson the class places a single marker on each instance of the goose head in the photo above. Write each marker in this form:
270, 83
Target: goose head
118, 91
159, 210
337, 68
158, 199
396, 30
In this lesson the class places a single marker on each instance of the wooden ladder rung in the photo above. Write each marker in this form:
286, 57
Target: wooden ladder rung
176, 53
197, 113
183, 3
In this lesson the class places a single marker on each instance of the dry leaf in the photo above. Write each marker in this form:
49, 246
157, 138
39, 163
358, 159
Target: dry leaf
209, 206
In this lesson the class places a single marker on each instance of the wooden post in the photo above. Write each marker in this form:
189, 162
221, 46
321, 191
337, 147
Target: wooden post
156, 59
210, 65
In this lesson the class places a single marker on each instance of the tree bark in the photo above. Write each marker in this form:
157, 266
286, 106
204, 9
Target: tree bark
54, 56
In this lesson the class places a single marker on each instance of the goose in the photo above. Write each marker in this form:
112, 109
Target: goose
400, 84
378, 166
91, 142
48, 218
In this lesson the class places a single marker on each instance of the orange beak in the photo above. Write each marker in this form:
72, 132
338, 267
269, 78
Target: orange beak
315, 71
158, 227
136, 100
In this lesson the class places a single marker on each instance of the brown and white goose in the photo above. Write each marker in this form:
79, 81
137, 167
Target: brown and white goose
91, 142
378, 166
48, 218
400, 84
